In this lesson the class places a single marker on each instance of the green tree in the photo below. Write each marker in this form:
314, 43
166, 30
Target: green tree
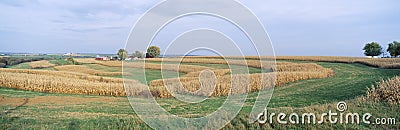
72, 61
2, 65
138, 54
154, 51
394, 49
122, 54
373, 49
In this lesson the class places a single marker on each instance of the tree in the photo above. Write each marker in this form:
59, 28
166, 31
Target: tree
122, 54
394, 49
373, 49
72, 61
138, 54
154, 51
2, 65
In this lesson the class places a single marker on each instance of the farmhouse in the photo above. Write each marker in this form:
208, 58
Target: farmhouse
69, 54
103, 58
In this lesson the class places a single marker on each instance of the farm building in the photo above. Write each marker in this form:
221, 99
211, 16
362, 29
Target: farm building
103, 58
371, 56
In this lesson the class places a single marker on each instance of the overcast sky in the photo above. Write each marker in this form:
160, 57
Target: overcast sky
300, 27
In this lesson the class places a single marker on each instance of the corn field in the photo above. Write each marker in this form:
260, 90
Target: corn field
388, 63
78, 79
64, 74
285, 73
170, 67
86, 70
249, 63
62, 83
386, 91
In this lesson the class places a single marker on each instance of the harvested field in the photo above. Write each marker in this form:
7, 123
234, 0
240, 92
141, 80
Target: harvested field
41, 64
170, 67
85, 70
249, 63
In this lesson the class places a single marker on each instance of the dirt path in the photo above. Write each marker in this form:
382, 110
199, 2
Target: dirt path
60, 100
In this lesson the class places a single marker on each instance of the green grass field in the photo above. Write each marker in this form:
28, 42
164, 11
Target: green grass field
21, 66
95, 112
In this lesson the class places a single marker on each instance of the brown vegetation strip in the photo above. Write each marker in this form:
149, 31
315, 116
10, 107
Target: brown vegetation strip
388, 63
59, 100
65, 82
65, 74
223, 85
249, 63
86, 70
13, 102
170, 67
286, 73
41, 64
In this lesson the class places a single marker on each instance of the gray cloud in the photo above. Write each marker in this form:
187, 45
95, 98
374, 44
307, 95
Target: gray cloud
311, 27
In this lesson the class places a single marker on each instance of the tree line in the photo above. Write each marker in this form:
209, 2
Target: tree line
10, 61
152, 52
374, 49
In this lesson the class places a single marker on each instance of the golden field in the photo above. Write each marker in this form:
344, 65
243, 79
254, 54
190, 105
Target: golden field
224, 84
300, 87
217, 72
286, 73
60, 83
79, 79
86, 70
65, 74
388, 63
41, 64
242, 62
170, 67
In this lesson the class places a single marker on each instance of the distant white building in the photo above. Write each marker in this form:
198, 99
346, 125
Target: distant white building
372, 56
68, 54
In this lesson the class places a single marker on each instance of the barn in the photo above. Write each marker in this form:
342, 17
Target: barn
103, 58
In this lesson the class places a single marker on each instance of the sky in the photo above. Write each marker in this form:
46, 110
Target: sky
301, 27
